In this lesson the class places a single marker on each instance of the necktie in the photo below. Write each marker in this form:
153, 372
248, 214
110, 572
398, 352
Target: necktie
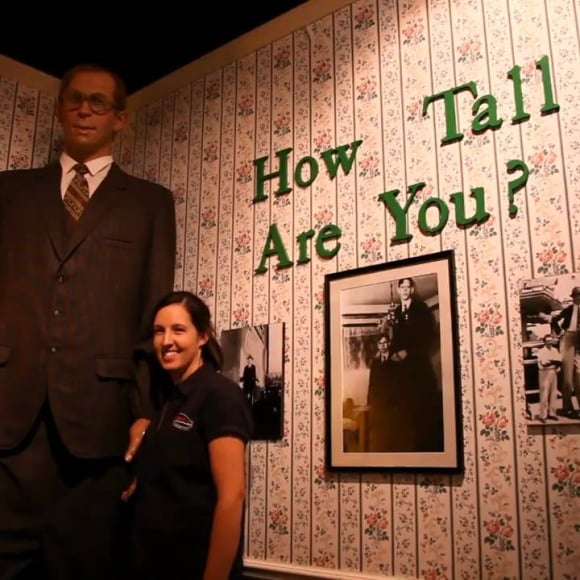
76, 196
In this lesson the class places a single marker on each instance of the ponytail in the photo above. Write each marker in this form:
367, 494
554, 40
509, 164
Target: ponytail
211, 353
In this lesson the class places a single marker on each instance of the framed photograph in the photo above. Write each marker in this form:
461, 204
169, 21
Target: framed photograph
550, 316
392, 367
254, 358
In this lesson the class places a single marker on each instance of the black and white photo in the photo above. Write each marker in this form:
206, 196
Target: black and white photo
392, 367
550, 329
254, 358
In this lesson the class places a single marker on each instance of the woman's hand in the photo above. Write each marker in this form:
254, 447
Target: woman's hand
130, 490
136, 434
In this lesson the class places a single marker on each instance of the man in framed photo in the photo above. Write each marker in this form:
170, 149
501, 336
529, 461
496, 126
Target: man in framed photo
549, 363
415, 338
566, 325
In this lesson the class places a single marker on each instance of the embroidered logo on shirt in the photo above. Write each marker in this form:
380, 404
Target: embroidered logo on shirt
183, 422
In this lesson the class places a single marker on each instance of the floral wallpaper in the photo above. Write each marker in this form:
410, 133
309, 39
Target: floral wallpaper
29, 134
361, 73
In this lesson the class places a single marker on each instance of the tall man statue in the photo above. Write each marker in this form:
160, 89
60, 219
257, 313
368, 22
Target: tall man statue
85, 252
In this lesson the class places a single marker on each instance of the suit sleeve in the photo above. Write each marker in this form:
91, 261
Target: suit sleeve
158, 281
555, 326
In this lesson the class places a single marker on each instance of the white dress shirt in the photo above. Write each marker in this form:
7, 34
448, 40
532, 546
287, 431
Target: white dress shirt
98, 169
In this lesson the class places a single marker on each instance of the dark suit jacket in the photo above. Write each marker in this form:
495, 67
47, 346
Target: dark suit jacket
561, 321
249, 378
74, 307
415, 332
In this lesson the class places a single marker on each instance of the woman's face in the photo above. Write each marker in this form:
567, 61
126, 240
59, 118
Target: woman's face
176, 341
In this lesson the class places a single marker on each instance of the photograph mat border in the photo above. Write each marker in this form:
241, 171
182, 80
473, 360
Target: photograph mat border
441, 265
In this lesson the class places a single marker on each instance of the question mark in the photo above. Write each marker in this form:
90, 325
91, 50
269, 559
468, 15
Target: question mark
515, 185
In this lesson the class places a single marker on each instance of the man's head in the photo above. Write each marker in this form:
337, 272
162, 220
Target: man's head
547, 340
91, 107
383, 344
405, 287
575, 294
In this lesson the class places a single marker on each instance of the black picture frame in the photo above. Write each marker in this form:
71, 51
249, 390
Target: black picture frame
254, 358
401, 411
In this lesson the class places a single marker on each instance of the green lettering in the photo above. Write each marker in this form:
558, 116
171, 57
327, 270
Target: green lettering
262, 177
328, 232
302, 247
335, 158
549, 105
274, 247
479, 216
313, 171
487, 118
448, 97
439, 204
399, 213
516, 77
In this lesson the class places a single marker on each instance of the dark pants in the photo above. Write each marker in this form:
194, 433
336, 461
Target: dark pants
61, 518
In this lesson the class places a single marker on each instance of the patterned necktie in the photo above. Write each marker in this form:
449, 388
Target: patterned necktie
77, 195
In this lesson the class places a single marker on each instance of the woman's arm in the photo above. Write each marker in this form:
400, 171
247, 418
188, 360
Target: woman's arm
227, 459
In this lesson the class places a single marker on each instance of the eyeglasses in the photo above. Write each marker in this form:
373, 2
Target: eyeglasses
98, 103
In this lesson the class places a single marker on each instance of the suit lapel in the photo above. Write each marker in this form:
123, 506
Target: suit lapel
51, 207
106, 197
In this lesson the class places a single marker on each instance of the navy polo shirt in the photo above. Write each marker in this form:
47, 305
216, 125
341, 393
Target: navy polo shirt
175, 497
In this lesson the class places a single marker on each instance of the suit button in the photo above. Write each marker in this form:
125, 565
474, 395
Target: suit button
57, 313
53, 349
60, 279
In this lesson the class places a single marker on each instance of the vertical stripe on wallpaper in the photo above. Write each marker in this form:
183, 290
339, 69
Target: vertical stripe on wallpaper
226, 254
177, 144
323, 201
371, 247
166, 141
153, 122
550, 247
514, 235
247, 244
191, 226
7, 113
258, 305
125, 144
210, 186
563, 18
459, 559
281, 304
305, 383
169, 163
22, 138
351, 532
45, 121
435, 517
492, 401
140, 142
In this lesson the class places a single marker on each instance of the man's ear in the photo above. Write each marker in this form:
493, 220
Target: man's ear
120, 120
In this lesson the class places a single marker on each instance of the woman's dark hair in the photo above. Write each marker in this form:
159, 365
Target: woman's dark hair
200, 315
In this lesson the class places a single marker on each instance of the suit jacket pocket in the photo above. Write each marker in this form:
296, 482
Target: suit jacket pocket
118, 243
5, 352
121, 369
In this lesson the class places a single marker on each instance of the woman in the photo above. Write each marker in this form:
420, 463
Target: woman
190, 484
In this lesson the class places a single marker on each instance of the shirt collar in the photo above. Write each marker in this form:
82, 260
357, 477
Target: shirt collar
94, 165
194, 379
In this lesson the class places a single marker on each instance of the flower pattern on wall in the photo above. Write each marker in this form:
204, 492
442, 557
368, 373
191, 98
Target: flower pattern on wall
362, 73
